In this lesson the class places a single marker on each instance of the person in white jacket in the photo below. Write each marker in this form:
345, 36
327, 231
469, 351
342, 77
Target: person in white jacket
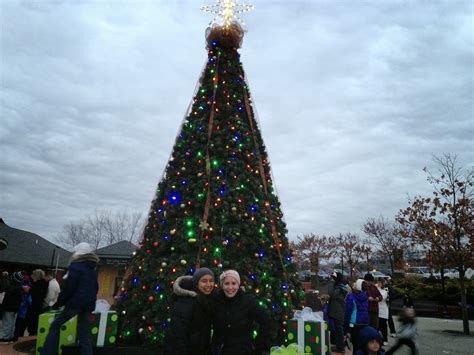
53, 289
383, 311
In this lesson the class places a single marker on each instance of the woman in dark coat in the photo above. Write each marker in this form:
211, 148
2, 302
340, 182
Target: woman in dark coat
38, 291
190, 328
78, 296
235, 315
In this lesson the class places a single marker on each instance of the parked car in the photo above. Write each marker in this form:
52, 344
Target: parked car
304, 275
380, 275
419, 271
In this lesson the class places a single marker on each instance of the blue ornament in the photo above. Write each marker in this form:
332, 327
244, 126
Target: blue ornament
173, 197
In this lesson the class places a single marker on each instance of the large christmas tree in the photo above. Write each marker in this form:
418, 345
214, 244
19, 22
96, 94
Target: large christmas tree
215, 206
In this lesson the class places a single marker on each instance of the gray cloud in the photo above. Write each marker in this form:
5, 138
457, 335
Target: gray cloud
353, 99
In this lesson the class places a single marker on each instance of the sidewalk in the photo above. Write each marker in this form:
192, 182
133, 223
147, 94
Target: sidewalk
434, 338
7, 349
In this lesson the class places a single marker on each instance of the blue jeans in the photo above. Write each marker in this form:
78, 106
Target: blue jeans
8, 325
83, 329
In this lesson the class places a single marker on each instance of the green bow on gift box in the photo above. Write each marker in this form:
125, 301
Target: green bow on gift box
291, 349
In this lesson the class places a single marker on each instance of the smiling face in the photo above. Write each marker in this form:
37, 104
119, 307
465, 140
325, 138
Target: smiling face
230, 286
206, 284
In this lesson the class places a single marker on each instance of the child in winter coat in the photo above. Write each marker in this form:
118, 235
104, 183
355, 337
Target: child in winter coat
370, 342
356, 315
407, 332
26, 301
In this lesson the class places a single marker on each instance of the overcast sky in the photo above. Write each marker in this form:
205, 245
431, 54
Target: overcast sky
353, 99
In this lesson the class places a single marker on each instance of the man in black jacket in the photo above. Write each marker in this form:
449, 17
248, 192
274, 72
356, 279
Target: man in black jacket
11, 304
337, 303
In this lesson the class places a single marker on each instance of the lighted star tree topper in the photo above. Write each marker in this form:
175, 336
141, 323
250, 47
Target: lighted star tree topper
227, 11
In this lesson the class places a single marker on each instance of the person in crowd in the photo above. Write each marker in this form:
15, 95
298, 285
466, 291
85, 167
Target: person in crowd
370, 342
26, 301
407, 300
374, 298
53, 289
390, 298
10, 306
78, 296
191, 314
407, 332
337, 303
4, 283
235, 314
356, 315
39, 288
383, 312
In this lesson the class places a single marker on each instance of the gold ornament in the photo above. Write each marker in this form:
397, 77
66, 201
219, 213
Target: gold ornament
203, 225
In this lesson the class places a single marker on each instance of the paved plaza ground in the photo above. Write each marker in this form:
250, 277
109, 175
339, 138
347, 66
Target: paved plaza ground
434, 338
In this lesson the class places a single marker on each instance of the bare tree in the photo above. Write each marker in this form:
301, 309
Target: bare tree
351, 247
445, 222
386, 235
314, 248
101, 229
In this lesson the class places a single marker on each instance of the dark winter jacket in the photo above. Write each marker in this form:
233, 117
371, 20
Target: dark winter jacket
372, 291
80, 287
233, 325
356, 311
337, 300
191, 314
38, 292
12, 300
367, 334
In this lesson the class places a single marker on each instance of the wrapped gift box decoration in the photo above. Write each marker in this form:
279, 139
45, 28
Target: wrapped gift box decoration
309, 332
104, 328
67, 334
291, 349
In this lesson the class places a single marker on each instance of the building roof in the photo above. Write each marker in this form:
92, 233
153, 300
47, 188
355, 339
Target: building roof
29, 248
122, 249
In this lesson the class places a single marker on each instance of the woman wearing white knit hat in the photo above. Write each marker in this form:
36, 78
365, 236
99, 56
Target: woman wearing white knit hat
235, 314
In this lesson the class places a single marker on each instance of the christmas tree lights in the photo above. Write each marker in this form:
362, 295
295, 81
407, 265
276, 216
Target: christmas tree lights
215, 205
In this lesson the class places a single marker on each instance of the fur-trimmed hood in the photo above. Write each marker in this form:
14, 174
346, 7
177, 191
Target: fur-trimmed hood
183, 286
82, 258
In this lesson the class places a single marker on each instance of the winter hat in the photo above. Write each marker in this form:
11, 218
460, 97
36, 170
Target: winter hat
369, 277
17, 276
367, 334
83, 248
358, 285
337, 276
200, 273
230, 273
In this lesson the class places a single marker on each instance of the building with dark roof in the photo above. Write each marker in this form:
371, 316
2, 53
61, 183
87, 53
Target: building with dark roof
28, 251
113, 265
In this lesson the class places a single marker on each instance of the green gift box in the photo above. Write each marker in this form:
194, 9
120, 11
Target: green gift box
67, 334
103, 329
311, 336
